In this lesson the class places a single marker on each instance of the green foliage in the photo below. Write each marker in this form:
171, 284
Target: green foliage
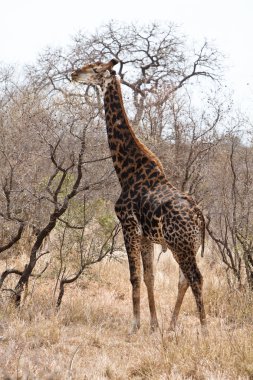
104, 215
95, 222
107, 222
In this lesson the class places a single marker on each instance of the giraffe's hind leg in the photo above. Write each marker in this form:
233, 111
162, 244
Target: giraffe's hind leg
196, 285
182, 288
147, 254
191, 272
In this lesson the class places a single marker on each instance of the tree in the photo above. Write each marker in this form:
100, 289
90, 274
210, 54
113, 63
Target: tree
230, 220
42, 172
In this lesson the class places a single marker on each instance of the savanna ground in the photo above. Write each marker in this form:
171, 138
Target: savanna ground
89, 337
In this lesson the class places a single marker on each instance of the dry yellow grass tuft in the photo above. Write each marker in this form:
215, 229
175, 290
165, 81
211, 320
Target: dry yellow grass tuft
88, 338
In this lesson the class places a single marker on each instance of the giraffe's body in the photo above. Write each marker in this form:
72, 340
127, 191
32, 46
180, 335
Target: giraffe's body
149, 208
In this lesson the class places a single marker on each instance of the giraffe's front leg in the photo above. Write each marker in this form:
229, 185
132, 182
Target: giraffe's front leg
135, 278
133, 247
147, 253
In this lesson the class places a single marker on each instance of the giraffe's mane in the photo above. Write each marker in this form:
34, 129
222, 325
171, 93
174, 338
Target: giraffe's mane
148, 153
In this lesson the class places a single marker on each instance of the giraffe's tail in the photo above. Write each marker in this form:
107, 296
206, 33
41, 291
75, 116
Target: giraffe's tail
203, 233
202, 226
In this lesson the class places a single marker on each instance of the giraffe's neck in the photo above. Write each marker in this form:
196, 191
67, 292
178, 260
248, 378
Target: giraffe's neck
132, 159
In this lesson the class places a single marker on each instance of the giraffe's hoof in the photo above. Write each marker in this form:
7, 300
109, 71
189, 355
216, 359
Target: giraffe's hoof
134, 328
154, 327
172, 327
204, 330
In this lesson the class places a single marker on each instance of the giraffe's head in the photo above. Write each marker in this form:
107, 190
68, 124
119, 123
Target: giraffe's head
94, 73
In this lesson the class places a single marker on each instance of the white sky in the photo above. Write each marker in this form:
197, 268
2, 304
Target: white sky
28, 26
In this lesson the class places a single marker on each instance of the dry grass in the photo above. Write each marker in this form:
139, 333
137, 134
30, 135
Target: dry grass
88, 338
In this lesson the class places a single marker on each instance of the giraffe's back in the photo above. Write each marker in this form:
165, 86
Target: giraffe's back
166, 214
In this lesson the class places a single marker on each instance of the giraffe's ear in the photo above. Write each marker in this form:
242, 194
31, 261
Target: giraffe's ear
110, 64
114, 62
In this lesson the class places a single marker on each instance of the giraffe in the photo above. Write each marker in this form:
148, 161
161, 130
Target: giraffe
149, 208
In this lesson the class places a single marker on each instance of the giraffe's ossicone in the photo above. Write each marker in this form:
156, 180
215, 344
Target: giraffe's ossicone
149, 208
